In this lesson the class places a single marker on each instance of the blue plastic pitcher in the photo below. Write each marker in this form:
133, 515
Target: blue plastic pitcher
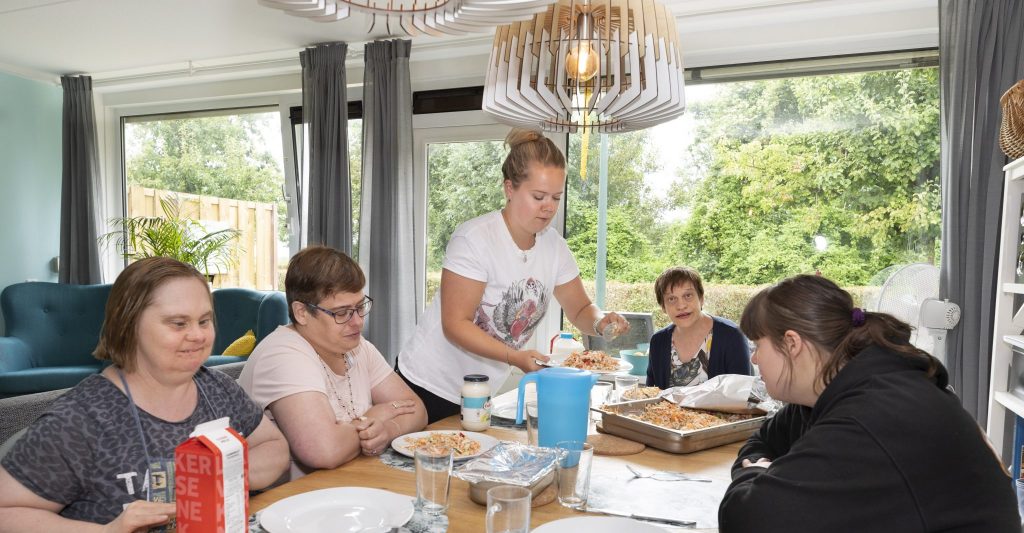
563, 403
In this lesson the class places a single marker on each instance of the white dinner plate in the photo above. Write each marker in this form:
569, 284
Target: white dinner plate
624, 366
598, 524
338, 509
504, 405
486, 442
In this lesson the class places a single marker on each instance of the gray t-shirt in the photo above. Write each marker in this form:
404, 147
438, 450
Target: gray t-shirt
86, 451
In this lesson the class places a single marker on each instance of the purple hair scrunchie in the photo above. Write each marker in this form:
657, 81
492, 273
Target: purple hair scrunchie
858, 317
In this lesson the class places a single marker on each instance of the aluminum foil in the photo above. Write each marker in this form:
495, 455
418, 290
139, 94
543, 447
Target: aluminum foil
510, 463
728, 392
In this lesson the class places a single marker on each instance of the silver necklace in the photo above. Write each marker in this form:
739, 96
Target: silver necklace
349, 406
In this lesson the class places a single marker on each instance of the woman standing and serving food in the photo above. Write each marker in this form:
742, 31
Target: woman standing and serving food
696, 346
871, 439
329, 389
500, 271
104, 451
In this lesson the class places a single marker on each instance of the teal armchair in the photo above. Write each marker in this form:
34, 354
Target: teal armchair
238, 311
52, 329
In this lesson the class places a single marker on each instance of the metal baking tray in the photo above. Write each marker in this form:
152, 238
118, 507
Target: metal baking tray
614, 422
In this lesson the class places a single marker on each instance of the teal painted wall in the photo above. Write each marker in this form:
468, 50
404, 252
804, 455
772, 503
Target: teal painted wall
30, 179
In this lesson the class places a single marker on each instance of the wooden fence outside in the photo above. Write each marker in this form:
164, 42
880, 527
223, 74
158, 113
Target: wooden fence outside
257, 244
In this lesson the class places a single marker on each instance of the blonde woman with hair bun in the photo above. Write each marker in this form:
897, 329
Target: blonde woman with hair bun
499, 274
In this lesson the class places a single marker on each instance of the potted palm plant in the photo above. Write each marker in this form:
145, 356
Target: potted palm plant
175, 236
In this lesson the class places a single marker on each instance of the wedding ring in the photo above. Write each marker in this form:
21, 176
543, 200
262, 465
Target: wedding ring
394, 404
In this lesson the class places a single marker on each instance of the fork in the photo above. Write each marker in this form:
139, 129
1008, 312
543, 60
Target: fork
666, 476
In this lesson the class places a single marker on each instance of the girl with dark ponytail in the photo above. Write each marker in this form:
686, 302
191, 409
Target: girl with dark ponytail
871, 438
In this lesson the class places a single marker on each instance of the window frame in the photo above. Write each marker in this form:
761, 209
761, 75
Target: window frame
114, 182
802, 67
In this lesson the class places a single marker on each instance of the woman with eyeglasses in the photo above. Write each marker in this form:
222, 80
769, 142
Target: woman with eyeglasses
330, 391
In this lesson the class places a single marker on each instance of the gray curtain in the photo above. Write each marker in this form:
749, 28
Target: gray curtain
387, 228
325, 112
79, 250
981, 56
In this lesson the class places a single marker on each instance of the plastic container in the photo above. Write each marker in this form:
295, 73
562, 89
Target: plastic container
476, 403
563, 403
639, 361
564, 346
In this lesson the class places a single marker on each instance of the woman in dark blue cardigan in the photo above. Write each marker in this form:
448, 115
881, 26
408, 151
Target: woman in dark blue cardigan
696, 346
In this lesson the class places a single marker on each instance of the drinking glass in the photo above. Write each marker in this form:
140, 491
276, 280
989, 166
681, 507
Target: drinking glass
574, 473
433, 479
625, 383
508, 509
1019, 487
532, 423
599, 394
610, 331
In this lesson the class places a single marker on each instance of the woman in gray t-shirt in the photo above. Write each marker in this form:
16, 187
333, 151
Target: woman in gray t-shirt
104, 452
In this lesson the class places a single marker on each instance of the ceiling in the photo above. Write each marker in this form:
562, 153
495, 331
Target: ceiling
118, 39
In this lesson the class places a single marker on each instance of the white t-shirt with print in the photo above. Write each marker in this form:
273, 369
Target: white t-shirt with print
519, 287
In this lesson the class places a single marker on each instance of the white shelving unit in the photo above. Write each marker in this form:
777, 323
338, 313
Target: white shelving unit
1003, 405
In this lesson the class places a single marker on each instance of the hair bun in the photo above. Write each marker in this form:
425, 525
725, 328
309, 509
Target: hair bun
520, 136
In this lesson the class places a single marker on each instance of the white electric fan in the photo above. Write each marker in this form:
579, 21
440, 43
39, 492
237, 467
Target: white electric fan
911, 294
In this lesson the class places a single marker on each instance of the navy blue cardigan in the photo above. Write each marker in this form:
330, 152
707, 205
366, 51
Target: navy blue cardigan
730, 353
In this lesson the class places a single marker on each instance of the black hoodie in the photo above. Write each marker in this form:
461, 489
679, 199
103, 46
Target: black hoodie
885, 448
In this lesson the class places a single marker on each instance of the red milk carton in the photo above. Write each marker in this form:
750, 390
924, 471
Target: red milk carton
211, 480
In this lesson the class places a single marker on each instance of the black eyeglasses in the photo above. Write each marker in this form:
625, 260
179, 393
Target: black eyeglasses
343, 316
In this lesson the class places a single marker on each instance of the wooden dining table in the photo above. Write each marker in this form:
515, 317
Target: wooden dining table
466, 516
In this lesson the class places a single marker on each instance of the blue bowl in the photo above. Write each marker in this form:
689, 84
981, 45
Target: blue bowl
644, 347
638, 361
624, 353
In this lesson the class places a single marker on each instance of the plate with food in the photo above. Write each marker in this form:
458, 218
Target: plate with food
595, 361
467, 444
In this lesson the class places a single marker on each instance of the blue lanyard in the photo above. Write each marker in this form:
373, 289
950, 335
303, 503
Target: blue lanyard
138, 423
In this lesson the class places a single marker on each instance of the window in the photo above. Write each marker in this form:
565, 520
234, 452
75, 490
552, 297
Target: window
463, 182
225, 170
763, 179
457, 156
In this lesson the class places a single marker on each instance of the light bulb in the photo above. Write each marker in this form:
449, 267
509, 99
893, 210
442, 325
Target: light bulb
582, 62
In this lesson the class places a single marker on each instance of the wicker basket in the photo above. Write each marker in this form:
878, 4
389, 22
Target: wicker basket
1011, 131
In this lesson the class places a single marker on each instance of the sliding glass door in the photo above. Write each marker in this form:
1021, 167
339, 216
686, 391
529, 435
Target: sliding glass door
457, 159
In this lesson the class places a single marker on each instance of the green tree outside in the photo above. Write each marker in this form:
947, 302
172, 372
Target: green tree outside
223, 156
464, 182
852, 157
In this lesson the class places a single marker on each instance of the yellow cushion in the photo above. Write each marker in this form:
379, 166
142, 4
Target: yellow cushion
243, 345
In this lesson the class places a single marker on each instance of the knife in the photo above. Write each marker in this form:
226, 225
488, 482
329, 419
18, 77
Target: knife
658, 519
